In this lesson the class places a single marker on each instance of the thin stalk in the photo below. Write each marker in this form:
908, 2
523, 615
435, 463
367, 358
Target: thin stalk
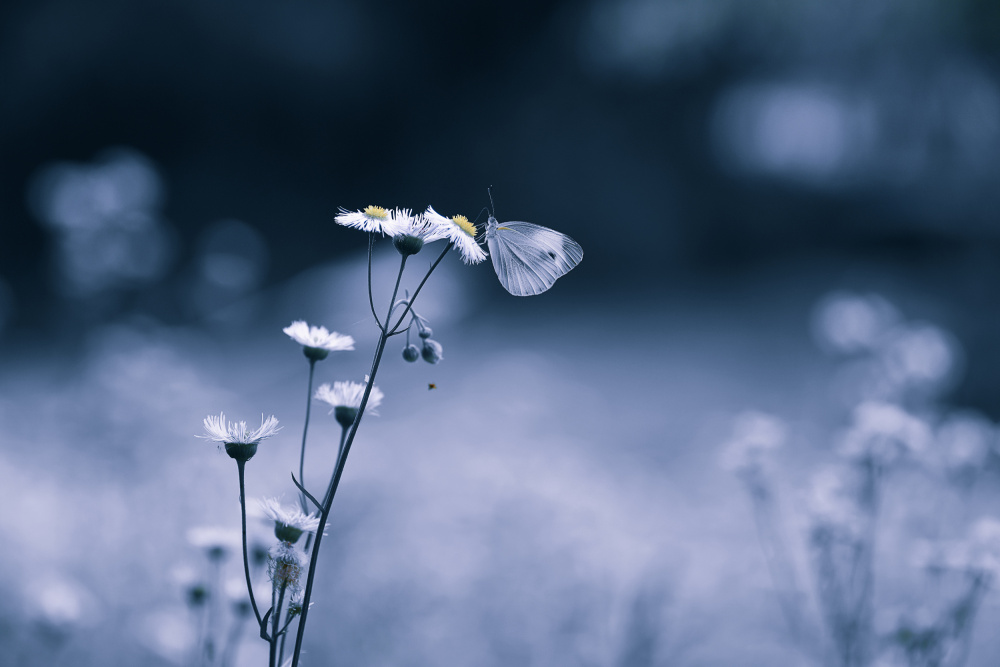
246, 561
340, 455
305, 431
338, 473
277, 598
409, 304
229, 653
371, 300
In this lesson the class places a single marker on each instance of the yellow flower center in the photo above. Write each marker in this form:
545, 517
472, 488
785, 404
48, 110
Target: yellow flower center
376, 212
464, 224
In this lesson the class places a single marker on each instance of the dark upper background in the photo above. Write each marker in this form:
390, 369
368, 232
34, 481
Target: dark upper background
689, 146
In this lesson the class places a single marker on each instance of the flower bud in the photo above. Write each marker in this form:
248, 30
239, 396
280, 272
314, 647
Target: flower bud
407, 244
426, 332
345, 415
432, 351
411, 352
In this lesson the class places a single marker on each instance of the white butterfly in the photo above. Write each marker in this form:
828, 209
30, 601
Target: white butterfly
529, 258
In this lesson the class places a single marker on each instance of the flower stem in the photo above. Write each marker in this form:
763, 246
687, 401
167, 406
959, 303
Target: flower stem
246, 561
305, 431
346, 449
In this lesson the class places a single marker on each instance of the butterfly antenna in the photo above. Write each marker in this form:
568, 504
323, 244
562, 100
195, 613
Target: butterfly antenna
493, 211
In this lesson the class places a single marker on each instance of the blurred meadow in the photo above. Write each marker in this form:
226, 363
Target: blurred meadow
757, 425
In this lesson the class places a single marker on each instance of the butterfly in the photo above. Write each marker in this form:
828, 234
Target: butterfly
529, 258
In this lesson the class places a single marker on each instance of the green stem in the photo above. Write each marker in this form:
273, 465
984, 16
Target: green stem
305, 431
246, 561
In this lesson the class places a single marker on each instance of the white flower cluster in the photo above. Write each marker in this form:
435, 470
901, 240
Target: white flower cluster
754, 434
979, 552
882, 432
427, 227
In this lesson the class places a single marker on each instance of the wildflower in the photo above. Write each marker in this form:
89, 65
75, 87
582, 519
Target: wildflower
345, 400
410, 232
372, 219
289, 524
459, 231
754, 433
832, 509
284, 568
241, 444
882, 432
432, 352
317, 342
217, 542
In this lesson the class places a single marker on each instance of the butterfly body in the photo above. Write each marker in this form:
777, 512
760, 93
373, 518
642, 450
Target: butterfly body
529, 258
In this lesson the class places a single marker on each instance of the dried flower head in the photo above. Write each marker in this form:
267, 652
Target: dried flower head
459, 231
284, 568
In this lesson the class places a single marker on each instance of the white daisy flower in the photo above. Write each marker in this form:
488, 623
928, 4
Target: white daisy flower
349, 395
410, 232
292, 516
237, 433
459, 231
317, 341
372, 219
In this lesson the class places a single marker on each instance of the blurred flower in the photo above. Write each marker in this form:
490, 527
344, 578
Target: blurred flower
921, 355
215, 540
962, 443
461, 232
317, 342
831, 506
372, 219
754, 434
236, 433
881, 432
849, 323
979, 552
289, 524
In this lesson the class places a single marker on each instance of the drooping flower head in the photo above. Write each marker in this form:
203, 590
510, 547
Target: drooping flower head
241, 442
344, 398
458, 230
289, 523
372, 219
317, 342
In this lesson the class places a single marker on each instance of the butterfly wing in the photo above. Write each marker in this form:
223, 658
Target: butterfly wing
530, 258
